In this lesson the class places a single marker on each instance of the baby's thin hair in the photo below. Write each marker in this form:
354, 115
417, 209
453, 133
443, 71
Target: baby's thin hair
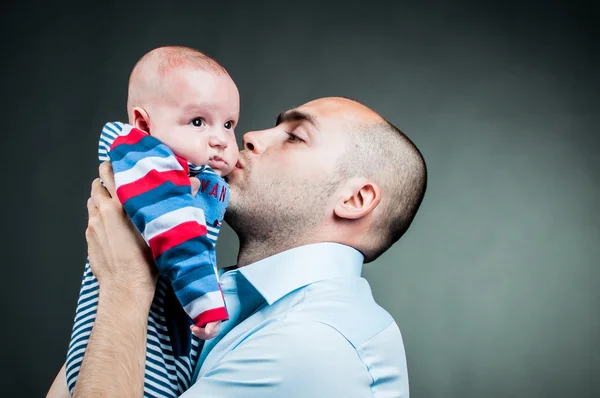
159, 63
169, 58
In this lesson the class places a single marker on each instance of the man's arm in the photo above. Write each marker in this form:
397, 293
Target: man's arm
113, 364
304, 359
59, 389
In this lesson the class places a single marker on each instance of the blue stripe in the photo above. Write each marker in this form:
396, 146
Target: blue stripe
163, 340
85, 307
126, 156
77, 359
197, 248
146, 145
77, 340
163, 199
196, 288
160, 393
165, 377
113, 127
93, 297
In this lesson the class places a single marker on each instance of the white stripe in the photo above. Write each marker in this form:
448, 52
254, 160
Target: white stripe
169, 220
86, 295
151, 393
155, 369
159, 326
144, 166
182, 378
89, 278
84, 341
86, 315
73, 370
155, 340
206, 302
212, 229
157, 315
183, 367
162, 360
159, 387
87, 288
72, 354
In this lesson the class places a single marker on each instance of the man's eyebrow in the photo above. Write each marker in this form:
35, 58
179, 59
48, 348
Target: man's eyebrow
296, 116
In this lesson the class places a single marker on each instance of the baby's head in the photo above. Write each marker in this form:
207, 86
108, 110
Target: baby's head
188, 101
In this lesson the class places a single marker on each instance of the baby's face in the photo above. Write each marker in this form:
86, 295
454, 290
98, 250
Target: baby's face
196, 117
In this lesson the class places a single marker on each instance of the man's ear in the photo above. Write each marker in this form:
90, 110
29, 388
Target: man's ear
141, 120
359, 199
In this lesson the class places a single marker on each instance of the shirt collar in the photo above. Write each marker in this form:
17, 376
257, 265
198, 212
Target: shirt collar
282, 273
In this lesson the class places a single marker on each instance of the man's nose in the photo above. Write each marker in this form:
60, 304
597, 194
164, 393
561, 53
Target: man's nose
257, 141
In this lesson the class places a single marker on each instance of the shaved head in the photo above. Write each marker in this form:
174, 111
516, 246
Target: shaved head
148, 75
330, 170
379, 151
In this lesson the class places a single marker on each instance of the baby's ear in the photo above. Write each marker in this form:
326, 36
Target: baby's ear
141, 120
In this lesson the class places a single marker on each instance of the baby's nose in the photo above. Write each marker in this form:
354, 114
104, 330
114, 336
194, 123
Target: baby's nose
218, 140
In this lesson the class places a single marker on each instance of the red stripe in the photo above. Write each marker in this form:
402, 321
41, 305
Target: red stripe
175, 236
150, 181
215, 314
133, 137
184, 165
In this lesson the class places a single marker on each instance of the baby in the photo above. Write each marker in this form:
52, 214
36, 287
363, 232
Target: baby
182, 108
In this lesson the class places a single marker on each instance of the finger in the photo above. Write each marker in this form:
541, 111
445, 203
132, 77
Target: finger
99, 193
108, 177
200, 333
195, 183
91, 207
212, 328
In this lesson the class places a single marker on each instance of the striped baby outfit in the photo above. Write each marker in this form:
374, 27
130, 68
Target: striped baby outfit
181, 230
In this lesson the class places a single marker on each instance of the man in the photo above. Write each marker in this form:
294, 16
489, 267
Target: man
331, 185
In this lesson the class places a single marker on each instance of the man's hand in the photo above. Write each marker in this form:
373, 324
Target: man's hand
113, 365
119, 256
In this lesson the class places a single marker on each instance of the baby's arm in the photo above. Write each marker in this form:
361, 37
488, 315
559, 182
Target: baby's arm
153, 185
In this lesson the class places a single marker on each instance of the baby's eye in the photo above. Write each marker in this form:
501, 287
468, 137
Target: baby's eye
229, 125
197, 122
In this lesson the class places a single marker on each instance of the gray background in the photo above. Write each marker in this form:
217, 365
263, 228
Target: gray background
495, 286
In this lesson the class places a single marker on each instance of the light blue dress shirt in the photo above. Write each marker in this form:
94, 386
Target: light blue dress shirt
303, 323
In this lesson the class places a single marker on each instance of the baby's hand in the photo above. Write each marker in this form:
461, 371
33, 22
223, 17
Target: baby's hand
207, 332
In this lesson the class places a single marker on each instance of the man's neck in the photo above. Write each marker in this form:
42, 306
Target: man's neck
253, 251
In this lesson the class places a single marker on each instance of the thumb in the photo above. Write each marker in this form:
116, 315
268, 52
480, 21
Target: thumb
195, 183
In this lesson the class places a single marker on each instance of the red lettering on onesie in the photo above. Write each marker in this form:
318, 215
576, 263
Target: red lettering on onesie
223, 193
204, 184
215, 189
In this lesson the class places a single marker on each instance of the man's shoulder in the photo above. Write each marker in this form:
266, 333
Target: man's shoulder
347, 306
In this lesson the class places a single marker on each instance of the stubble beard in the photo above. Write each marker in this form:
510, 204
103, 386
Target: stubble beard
278, 213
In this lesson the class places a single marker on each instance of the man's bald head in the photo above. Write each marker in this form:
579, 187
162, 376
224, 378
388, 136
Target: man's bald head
148, 75
379, 151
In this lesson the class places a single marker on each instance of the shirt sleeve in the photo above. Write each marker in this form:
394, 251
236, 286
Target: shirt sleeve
289, 360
